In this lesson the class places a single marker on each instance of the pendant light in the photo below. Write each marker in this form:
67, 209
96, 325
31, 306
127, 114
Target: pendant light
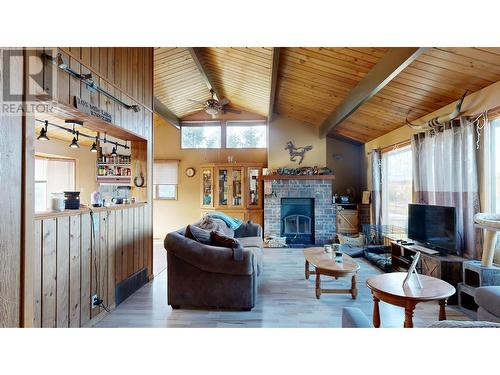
94, 146
74, 142
43, 133
113, 152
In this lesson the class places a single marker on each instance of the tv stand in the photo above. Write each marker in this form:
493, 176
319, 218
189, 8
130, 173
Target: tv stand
431, 263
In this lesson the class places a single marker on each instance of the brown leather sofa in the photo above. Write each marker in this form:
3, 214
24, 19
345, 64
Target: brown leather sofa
205, 276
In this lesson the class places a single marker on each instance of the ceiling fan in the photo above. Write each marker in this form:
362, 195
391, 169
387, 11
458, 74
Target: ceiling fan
214, 106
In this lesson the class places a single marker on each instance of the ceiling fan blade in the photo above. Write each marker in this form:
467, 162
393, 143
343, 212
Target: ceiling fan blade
196, 101
224, 101
232, 110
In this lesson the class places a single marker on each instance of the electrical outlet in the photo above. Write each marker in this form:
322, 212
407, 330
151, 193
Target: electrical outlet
94, 300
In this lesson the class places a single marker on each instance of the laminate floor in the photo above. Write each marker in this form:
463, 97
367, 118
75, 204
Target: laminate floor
285, 299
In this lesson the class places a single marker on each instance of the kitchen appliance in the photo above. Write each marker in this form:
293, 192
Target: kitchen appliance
72, 200
58, 203
117, 200
96, 199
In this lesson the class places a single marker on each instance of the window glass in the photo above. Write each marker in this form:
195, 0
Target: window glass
245, 135
200, 136
397, 183
166, 191
52, 176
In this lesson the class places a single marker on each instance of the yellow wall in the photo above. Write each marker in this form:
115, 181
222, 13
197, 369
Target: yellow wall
85, 164
283, 129
169, 215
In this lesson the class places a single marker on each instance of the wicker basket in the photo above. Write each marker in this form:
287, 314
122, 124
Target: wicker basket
275, 242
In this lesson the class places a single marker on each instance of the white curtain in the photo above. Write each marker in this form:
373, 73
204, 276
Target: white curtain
445, 173
376, 182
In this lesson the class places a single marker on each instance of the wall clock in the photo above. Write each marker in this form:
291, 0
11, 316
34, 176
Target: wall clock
190, 172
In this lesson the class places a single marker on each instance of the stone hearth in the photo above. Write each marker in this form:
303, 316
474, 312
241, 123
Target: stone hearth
324, 213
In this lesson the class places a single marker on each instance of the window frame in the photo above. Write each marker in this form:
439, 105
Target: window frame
201, 124
157, 193
245, 123
406, 145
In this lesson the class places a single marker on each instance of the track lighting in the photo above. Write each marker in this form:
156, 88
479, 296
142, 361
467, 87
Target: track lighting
43, 133
94, 146
74, 142
60, 62
76, 136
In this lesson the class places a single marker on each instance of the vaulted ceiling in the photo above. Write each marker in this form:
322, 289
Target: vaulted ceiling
309, 84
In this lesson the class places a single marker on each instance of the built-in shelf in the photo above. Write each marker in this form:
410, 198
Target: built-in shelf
298, 177
113, 177
115, 165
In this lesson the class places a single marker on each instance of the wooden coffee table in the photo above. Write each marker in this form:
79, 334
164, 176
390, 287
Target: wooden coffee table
325, 264
389, 288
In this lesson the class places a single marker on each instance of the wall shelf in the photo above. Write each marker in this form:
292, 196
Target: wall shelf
298, 177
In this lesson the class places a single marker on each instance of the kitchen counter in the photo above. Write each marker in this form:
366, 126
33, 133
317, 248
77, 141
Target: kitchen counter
84, 209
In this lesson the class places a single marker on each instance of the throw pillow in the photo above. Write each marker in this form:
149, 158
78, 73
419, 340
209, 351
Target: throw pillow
220, 239
353, 241
198, 234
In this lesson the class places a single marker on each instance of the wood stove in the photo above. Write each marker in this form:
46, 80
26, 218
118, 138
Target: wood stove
297, 220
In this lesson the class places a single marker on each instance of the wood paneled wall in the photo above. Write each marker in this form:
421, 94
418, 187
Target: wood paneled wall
127, 73
46, 276
76, 261
11, 146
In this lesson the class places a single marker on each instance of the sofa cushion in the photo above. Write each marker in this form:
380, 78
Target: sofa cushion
488, 297
255, 245
251, 241
220, 239
198, 234
213, 224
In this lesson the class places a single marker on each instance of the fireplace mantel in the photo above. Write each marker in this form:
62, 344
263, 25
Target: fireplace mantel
298, 177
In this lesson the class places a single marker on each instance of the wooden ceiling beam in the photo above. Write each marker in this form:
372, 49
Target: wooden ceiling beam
388, 67
196, 56
162, 110
274, 81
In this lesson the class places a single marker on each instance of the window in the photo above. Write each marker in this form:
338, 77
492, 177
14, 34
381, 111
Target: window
201, 135
52, 176
397, 186
165, 179
246, 135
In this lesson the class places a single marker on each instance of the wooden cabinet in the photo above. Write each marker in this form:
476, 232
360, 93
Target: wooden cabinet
444, 267
347, 219
233, 188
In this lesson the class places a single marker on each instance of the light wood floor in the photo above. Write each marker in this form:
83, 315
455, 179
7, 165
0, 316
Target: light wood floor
285, 299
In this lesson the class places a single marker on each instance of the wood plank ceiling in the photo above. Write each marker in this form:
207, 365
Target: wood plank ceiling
243, 75
437, 78
312, 82
176, 80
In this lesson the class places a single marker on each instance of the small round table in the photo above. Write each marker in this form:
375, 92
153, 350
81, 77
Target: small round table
389, 288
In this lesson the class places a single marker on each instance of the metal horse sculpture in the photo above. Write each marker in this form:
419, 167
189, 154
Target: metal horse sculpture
297, 151
436, 122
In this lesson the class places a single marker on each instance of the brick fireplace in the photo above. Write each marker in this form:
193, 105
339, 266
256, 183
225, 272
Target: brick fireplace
316, 190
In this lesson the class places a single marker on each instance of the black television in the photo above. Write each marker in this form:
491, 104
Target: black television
433, 226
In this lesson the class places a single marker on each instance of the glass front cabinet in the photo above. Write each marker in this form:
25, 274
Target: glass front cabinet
233, 188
